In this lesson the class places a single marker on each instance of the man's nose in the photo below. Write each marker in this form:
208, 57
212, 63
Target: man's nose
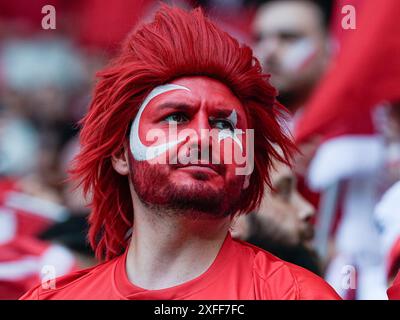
200, 137
305, 208
201, 127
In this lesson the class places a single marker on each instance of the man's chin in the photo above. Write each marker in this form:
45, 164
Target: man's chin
199, 198
185, 191
198, 183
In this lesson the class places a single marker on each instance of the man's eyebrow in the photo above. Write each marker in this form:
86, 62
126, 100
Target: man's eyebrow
174, 105
218, 112
289, 34
224, 112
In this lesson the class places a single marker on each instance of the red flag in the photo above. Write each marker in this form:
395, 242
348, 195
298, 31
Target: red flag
366, 71
394, 291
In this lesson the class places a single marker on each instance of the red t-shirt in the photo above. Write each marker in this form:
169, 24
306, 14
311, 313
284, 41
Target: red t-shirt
394, 291
240, 271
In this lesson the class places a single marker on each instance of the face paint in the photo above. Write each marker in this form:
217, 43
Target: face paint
142, 152
225, 134
299, 54
139, 151
199, 186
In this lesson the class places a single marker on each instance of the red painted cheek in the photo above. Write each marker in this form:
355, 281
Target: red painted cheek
149, 133
154, 134
230, 151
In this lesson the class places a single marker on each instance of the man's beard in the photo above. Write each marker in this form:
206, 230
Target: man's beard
155, 189
298, 253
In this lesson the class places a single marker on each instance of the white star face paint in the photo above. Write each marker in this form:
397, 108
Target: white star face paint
225, 134
139, 151
233, 118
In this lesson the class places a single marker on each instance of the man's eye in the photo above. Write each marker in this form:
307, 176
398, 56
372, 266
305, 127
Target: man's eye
289, 36
222, 124
176, 118
284, 188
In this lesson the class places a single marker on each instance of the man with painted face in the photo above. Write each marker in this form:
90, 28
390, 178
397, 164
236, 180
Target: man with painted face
162, 159
291, 41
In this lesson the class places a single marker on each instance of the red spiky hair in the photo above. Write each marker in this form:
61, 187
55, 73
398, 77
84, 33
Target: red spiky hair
177, 43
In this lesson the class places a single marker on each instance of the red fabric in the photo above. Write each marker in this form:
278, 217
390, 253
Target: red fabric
24, 18
21, 261
115, 19
31, 225
336, 30
315, 197
28, 223
240, 271
394, 291
309, 195
394, 259
94, 23
7, 185
29, 11
365, 72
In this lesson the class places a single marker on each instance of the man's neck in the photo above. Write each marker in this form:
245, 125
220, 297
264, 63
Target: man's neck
168, 250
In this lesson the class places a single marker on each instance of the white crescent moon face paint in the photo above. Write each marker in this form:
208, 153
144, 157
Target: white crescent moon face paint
299, 53
139, 151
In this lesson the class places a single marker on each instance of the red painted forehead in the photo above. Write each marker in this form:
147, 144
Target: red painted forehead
204, 92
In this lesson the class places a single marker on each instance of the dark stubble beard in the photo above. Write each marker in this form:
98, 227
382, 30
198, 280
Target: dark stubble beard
157, 192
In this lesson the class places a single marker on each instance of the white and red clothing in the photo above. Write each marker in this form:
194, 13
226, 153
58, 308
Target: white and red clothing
32, 214
24, 259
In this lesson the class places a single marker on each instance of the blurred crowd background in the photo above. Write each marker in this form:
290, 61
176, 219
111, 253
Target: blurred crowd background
336, 212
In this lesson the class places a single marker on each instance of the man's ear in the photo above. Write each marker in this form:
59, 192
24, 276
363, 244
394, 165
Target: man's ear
120, 161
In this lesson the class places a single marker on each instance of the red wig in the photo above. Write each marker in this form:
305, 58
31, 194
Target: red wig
177, 43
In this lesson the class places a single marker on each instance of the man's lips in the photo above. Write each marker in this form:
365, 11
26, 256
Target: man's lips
308, 232
206, 168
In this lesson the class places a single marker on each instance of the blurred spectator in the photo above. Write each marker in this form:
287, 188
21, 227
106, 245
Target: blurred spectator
37, 63
72, 232
350, 162
19, 141
282, 225
44, 89
387, 210
291, 41
390, 129
24, 260
387, 214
